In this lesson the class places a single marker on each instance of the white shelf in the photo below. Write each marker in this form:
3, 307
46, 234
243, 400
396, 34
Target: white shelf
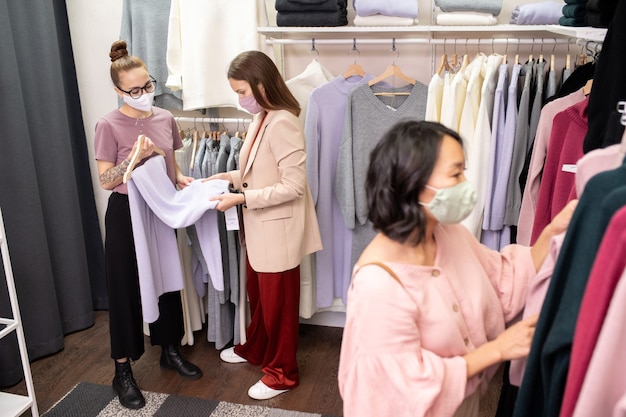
587, 33
430, 31
14, 405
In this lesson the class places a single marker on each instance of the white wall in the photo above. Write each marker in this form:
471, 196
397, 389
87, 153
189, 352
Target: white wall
94, 26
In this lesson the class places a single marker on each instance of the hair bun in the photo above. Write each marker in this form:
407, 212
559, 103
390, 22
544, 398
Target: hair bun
118, 50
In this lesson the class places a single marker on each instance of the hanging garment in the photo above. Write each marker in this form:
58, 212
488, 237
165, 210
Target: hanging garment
453, 100
609, 87
323, 128
490, 235
564, 150
535, 298
541, 392
469, 114
435, 95
156, 209
540, 150
593, 163
602, 392
499, 196
607, 271
537, 102
197, 54
144, 28
479, 143
520, 149
193, 311
368, 117
196, 171
301, 86
551, 82
304, 83
589, 165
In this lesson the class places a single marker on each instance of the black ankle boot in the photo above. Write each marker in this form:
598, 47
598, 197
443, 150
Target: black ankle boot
172, 359
126, 387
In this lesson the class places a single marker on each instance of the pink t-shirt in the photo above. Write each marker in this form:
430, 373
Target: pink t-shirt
116, 134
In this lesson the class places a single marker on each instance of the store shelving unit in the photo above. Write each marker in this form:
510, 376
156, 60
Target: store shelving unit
13, 404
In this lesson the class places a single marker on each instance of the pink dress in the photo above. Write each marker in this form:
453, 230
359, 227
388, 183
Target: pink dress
402, 347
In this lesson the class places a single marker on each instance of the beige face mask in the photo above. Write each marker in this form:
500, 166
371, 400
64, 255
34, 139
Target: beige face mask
452, 205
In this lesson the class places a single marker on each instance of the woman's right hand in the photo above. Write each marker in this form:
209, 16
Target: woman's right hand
514, 342
147, 149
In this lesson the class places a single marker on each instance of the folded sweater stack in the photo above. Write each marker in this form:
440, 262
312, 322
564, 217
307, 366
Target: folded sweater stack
463, 12
317, 13
385, 12
574, 13
541, 13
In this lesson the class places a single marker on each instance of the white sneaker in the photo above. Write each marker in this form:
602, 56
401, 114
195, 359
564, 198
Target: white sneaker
229, 355
260, 391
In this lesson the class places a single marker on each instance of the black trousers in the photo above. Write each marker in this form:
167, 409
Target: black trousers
125, 318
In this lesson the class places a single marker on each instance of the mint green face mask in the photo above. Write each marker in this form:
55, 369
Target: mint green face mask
452, 205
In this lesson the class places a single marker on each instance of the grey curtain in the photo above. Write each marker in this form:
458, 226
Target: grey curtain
46, 193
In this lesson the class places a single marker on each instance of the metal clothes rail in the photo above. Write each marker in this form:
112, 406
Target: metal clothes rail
425, 41
186, 119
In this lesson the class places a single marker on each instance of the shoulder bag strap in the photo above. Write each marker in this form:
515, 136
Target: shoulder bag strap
387, 269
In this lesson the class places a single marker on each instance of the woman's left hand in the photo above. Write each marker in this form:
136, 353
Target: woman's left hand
227, 200
560, 222
183, 181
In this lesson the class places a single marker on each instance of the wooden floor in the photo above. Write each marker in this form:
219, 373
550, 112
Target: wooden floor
85, 358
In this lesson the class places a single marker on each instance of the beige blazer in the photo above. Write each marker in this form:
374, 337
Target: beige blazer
279, 217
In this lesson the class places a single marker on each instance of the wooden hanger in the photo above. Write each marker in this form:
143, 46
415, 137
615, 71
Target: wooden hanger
194, 146
353, 70
392, 71
134, 159
587, 87
443, 65
465, 62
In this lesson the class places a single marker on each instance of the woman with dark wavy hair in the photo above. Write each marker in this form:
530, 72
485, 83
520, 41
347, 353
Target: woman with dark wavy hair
428, 307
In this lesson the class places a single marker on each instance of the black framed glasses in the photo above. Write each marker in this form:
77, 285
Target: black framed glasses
138, 91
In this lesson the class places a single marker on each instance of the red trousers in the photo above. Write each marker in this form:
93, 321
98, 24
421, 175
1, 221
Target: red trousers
272, 336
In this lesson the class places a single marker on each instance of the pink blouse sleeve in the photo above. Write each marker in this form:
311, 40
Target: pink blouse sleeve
383, 369
510, 272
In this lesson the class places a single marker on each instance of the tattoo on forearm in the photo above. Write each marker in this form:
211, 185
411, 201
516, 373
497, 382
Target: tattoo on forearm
112, 174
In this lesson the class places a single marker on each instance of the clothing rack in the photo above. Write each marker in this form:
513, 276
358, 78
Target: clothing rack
185, 119
425, 41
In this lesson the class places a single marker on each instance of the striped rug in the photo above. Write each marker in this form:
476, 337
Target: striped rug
95, 400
